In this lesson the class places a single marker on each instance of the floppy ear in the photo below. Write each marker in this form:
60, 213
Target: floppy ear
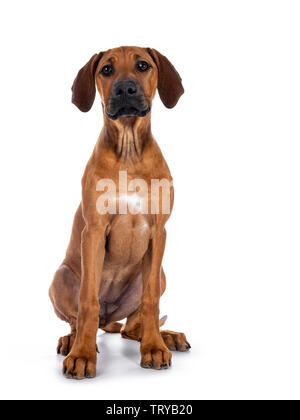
169, 82
83, 89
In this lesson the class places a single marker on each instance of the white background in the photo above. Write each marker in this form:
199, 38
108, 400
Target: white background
232, 143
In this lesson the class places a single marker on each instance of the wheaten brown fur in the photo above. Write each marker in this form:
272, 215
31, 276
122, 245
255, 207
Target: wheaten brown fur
113, 265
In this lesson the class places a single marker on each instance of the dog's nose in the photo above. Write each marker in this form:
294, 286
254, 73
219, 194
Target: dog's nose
125, 88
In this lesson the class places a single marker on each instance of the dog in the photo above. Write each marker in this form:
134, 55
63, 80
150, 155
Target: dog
113, 265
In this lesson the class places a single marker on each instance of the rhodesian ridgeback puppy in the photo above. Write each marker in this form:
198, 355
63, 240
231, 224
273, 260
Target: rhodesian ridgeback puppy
113, 265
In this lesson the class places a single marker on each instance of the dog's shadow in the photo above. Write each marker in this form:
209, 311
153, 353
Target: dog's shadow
117, 355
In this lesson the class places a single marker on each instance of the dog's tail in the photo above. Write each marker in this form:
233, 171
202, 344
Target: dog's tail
163, 320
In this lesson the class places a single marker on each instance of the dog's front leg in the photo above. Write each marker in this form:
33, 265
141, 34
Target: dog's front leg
154, 352
81, 362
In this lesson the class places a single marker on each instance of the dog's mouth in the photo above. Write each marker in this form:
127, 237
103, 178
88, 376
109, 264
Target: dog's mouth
128, 111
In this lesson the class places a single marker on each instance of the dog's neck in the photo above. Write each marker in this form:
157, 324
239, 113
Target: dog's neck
127, 137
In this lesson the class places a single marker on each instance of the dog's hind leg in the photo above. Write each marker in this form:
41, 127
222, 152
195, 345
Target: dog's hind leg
63, 293
132, 329
113, 328
173, 340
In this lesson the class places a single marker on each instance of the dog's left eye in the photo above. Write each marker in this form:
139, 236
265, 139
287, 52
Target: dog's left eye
142, 66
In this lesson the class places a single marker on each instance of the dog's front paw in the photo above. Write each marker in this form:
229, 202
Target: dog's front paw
156, 356
80, 365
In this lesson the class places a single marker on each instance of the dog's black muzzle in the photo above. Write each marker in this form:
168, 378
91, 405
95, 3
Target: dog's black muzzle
127, 100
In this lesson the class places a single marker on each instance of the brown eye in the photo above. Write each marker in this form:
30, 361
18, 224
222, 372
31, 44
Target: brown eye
142, 66
107, 70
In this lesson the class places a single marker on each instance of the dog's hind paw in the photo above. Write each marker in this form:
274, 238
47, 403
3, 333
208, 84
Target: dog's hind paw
65, 344
175, 340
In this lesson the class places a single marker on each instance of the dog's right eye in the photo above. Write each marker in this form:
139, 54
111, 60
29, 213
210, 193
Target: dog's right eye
107, 70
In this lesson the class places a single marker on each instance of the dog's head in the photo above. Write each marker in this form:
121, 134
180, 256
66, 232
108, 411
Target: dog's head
127, 78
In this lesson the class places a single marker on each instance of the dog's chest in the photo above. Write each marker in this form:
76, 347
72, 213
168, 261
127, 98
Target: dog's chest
128, 239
